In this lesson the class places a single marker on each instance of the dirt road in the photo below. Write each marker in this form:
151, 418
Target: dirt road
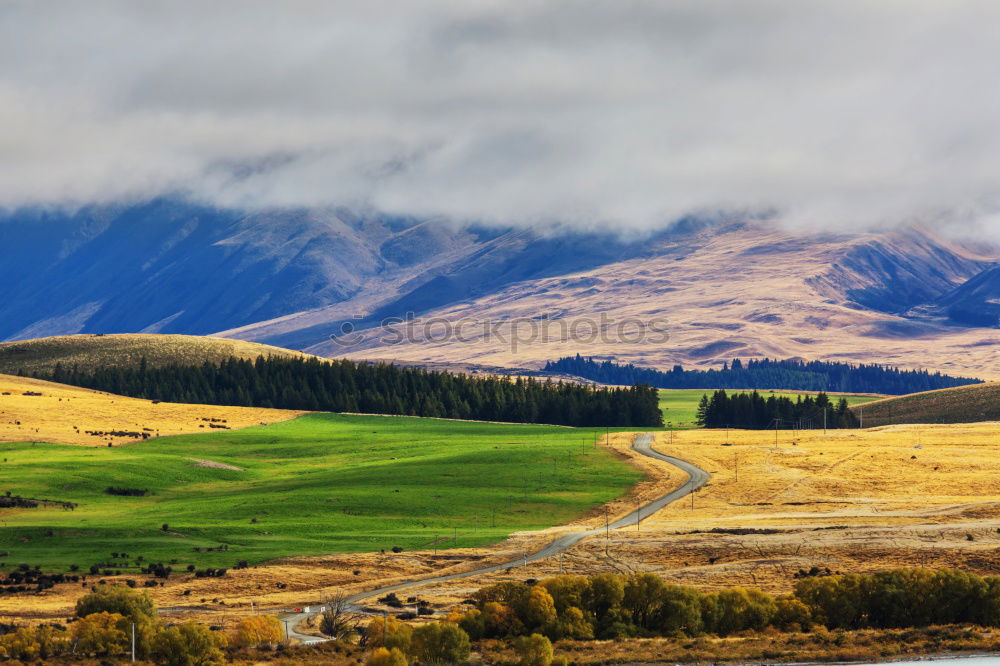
642, 444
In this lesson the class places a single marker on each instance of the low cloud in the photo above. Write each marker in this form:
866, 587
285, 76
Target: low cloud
597, 113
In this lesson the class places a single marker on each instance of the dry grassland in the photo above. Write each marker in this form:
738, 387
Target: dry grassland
850, 501
127, 349
64, 414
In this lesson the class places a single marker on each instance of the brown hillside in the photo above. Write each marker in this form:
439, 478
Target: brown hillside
964, 404
34, 410
92, 351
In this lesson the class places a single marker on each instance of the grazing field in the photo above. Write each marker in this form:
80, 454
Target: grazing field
680, 406
100, 351
964, 404
322, 483
848, 501
33, 410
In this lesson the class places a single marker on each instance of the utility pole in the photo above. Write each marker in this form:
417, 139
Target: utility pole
286, 630
824, 420
736, 462
638, 514
133, 642
862, 409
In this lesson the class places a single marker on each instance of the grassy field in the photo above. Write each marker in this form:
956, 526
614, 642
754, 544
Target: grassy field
964, 404
319, 484
680, 405
90, 351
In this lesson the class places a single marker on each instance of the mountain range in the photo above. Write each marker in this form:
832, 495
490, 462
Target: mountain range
718, 287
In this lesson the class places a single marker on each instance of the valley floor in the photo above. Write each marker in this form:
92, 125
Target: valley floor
847, 501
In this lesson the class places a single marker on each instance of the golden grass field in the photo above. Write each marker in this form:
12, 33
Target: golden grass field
850, 500
64, 414
92, 351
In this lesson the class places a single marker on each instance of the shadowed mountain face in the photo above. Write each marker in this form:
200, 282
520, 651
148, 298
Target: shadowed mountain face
977, 302
293, 277
171, 267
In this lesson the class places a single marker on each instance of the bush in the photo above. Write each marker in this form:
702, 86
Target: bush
440, 643
101, 633
126, 492
534, 650
383, 657
258, 630
138, 607
189, 645
388, 632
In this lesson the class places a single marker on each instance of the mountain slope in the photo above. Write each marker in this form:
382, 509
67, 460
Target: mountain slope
745, 290
88, 352
977, 302
167, 266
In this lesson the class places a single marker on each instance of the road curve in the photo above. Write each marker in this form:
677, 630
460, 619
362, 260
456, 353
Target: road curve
642, 443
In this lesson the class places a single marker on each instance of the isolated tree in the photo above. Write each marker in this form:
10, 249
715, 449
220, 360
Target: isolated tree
101, 634
338, 621
440, 643
383, 657
534, 650
189, 645
258, 630
388, 632
134, 606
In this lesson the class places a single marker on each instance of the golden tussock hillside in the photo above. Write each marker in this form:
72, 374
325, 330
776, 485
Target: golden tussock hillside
94, 351
34, 410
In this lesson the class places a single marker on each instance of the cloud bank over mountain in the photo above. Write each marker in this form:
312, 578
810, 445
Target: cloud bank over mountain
595, 113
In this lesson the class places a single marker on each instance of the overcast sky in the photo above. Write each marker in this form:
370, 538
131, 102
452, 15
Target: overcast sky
618, 112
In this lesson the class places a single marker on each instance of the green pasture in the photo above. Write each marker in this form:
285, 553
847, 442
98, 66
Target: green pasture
321, 483
680, 406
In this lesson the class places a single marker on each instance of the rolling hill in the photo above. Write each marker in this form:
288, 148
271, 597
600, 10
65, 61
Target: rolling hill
95, 351
40, 411
963, 404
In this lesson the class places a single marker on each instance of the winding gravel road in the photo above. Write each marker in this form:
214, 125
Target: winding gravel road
642, 444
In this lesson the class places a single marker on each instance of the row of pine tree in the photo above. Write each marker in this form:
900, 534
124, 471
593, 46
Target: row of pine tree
755, 412
349, 386
789, 374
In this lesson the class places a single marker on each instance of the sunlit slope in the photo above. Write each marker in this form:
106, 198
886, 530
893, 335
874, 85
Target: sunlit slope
963, 404
91, 351
33, 410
